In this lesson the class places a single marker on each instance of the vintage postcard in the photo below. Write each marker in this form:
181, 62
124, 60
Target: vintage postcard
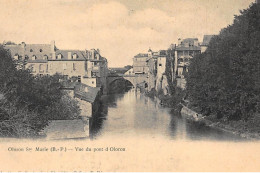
129, 85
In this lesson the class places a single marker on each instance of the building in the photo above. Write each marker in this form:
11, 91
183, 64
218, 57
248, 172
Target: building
185, 50
96, 70
153, 64
87, 66
140, 63
129, 72
88, 98
204, 45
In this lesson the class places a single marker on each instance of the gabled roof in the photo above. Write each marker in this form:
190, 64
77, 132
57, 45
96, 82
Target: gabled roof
86, 92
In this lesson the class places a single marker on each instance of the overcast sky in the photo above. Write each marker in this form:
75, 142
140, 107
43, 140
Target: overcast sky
119, 28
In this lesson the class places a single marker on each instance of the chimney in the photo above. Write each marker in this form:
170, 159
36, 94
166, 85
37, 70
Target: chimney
179, 41
69, 55
92, 53
52, 46
196, 42
23, 44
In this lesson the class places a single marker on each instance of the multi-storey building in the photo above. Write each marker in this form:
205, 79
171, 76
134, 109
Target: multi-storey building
154, 65
140, 63
87, 66
184, 51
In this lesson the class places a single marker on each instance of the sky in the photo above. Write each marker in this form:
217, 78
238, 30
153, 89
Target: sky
119, 28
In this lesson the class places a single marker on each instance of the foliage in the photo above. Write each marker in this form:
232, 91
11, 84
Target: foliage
66, 108
169, 69
30, 101
225, 79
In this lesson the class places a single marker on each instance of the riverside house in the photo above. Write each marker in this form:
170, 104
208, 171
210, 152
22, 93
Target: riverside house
88, 66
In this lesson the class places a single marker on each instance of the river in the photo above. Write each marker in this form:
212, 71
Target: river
133, 115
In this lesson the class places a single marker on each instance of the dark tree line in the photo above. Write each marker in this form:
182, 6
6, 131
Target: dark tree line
30, 102
225, 80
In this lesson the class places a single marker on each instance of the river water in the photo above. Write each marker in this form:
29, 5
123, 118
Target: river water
133, 115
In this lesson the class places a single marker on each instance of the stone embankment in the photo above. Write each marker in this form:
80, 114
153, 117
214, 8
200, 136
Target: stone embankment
194, 116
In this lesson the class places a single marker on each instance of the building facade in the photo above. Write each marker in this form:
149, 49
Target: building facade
185, 50
140, 63
87, 66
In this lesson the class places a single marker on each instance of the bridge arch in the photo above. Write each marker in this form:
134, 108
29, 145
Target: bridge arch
113, 79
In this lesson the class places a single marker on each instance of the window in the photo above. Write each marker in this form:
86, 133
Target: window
79, 79
31, 68
64, 66
93, 82
41, 68
75, 56
26, 57
34, 57
45, 57
31, 50
40, 50
93, 74
160, 64
59, 56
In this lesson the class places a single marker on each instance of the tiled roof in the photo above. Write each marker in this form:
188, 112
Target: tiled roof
140, 55
182, 48
29, 50
189, 40
37, 61
86, 92
68, 85
206, 39
64, 53
15, 49
39, 50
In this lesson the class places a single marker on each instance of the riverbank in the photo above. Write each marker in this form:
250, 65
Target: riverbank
240, 128
249, 130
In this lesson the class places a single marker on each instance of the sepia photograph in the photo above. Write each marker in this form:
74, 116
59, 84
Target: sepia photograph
130, 85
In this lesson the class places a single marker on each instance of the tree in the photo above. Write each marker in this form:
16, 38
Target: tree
225, 79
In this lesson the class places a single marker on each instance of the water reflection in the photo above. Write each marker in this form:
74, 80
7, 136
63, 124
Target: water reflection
134, 115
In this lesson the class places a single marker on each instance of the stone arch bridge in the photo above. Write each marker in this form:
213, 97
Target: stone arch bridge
135, 80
